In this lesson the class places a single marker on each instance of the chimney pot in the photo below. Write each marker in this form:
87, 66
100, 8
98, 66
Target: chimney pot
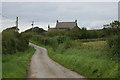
57, 21
76, 21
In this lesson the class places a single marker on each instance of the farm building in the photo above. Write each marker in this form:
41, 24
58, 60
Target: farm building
65, 25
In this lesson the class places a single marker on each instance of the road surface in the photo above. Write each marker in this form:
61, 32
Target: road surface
41, 66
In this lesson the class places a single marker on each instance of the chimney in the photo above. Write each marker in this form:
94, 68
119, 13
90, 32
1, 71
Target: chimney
76, 21
48, 26
57, 21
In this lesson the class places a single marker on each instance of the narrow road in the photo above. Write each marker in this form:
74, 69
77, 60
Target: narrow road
42, 66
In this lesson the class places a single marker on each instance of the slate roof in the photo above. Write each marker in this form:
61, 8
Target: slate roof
66, 25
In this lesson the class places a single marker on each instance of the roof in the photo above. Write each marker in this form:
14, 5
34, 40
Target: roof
66, 25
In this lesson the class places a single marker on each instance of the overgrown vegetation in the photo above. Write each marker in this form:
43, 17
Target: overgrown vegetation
0, 55
93, 53
0, 66
15, 65
16, 53
114, 44
89, 58
12, 41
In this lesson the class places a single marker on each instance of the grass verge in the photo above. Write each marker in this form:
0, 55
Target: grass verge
0, 65
89, 59
15, 65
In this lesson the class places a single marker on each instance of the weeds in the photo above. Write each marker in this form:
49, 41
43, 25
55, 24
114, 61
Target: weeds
88, 59
15, 65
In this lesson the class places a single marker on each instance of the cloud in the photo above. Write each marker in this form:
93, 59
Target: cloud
60, 0
6, 23
88, 14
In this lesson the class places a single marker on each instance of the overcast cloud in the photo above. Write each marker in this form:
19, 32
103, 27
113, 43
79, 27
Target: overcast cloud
89, 14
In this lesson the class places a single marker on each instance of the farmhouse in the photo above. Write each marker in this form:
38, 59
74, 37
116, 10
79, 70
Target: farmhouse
65, 25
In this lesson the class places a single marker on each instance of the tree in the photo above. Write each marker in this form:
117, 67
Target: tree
115, 24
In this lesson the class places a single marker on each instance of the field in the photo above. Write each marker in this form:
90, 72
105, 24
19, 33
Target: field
90, 59
15, 65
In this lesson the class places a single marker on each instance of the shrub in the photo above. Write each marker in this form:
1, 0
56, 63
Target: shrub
13, 41
53, 43
111, 31
114, 44
72, 44
62, 39
56, 32
74, 34
68, 44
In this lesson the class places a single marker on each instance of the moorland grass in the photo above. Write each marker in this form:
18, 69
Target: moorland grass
15, 65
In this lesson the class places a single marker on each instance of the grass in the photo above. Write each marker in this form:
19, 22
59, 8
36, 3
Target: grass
0, 55
15, 65
90, 59
0, 65
92, 40
97, 45
87, 62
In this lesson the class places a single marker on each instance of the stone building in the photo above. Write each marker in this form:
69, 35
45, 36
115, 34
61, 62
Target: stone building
65, 25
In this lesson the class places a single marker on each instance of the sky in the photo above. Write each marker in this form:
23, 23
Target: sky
92, 15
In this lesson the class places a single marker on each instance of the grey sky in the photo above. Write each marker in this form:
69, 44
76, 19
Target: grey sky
89, 14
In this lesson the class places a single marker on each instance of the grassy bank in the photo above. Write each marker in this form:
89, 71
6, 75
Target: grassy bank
0, 66
89, 59
15, 65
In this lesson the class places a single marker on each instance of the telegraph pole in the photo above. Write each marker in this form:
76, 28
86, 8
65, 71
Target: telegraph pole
17, 24
32, 25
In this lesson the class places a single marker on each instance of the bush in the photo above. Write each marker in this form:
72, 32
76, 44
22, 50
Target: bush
12, 41
56, 32
72, 44
114, 44
67, 44
62, 39
74, 34
111, 31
